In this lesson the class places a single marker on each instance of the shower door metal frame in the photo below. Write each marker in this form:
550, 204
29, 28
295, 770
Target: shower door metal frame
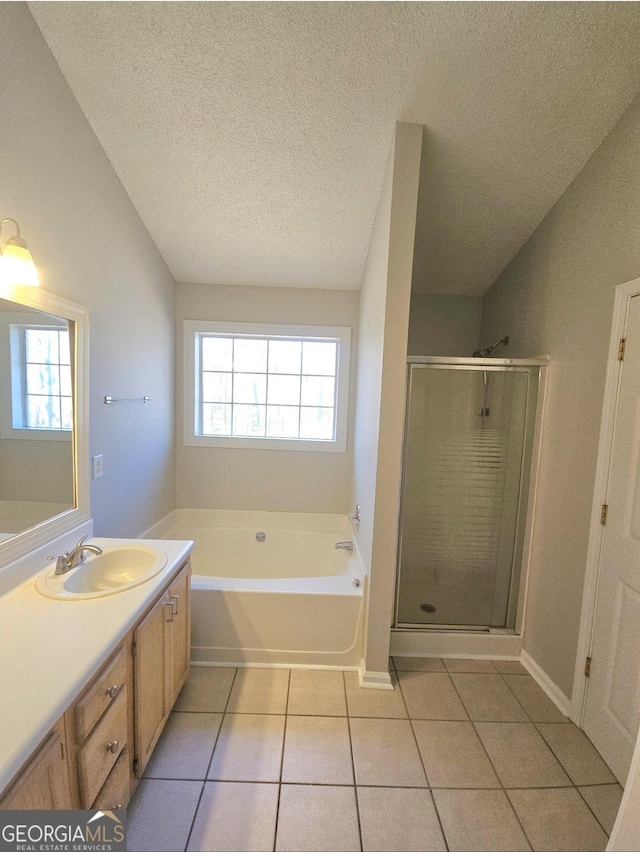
516, 599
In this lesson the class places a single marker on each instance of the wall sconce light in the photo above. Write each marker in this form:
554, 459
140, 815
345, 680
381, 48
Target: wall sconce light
16, 263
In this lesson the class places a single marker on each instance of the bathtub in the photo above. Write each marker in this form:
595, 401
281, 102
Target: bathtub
289, 598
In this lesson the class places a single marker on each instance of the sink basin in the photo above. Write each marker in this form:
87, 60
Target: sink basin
117, 569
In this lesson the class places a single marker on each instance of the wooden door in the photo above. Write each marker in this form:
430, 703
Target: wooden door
44, 783
151, 708
612, 710
178, 631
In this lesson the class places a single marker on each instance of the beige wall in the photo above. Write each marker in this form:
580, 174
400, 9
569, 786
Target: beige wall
384, 321
90, 246
556, 298
274, 480
444, 325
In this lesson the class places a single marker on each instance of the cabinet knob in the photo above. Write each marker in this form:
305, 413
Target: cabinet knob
175, 597
111, 690
112, 746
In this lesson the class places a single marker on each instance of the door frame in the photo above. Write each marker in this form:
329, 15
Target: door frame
623, 295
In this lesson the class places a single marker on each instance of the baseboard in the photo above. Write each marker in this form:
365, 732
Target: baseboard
546, 684
481, 646
373, 680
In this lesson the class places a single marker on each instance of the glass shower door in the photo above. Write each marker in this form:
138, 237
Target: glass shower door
466, 437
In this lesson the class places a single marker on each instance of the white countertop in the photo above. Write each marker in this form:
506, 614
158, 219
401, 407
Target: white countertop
50, 649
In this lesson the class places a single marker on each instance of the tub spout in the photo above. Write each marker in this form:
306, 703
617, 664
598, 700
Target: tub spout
344, 545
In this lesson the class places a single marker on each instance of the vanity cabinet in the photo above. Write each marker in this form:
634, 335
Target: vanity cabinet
161, 644
44, 783
95, 754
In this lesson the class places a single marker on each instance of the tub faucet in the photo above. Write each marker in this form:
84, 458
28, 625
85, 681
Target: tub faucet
344, 545
72, 558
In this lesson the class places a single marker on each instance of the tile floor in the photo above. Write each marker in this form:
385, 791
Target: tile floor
462, 755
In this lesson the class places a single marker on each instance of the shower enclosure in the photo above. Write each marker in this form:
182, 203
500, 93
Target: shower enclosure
469, 438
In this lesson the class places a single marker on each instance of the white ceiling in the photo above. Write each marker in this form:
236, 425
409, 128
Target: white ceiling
252, 137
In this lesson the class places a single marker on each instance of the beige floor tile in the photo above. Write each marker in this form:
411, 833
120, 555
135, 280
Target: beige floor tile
453, 755
509, 667
206, 690
575, 752
316, 693
160, 815
487, 698
558, 819
392, 819
185, 747
249, 748
235, 818
471, 666
374, 703
317, 819
604, 800
520, 756
419, 664
430, 695
477, 820
538, 706
259, 691
385, 753
317, 750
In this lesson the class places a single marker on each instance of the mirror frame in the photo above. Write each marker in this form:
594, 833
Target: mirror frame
33, 537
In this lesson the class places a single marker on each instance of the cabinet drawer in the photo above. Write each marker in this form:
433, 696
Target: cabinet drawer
94, 702
116, 791
100, 752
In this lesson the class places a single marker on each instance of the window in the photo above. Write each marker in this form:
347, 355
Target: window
254, 385
39, 382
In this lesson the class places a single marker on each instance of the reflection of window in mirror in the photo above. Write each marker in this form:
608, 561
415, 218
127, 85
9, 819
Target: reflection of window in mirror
40, 377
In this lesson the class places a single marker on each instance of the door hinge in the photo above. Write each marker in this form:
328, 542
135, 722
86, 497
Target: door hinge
587, 667
621, 348
134, 648
136, 764
62, 749
604, 513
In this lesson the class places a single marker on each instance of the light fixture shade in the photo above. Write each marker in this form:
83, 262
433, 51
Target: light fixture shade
16, 264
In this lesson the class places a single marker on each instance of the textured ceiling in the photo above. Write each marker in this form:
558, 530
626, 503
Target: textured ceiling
252, 137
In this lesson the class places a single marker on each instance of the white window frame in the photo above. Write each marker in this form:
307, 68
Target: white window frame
192, 329
11, 380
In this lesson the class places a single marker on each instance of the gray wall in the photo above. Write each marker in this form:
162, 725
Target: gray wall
90, 246
263, 479
444, 325
556, 298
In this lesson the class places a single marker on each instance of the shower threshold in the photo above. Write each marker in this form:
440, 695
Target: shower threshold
458, 628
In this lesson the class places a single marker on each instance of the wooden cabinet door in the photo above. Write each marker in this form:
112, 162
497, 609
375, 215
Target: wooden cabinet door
178, 634
44, 783
151, 708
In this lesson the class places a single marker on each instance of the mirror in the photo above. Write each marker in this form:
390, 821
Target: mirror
43, 484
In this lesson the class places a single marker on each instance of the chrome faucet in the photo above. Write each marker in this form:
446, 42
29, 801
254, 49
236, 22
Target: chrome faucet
72, 558
344, 545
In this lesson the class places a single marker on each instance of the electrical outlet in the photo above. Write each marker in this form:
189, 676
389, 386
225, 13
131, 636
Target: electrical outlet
96, 466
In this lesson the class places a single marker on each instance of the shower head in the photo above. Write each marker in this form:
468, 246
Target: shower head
486, 353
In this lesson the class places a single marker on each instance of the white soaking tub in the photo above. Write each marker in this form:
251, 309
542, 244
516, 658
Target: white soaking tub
271, 588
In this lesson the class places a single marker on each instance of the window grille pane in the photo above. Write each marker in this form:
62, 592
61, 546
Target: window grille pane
65, 381
285, 356
249, 356
43, 412
216, 419
319, 359
216, 387
43, 379
250, 387
66, 412
316, 423
284, 390
249, 420
41, 345
217, 353
63, 343
318, 391
282, 421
